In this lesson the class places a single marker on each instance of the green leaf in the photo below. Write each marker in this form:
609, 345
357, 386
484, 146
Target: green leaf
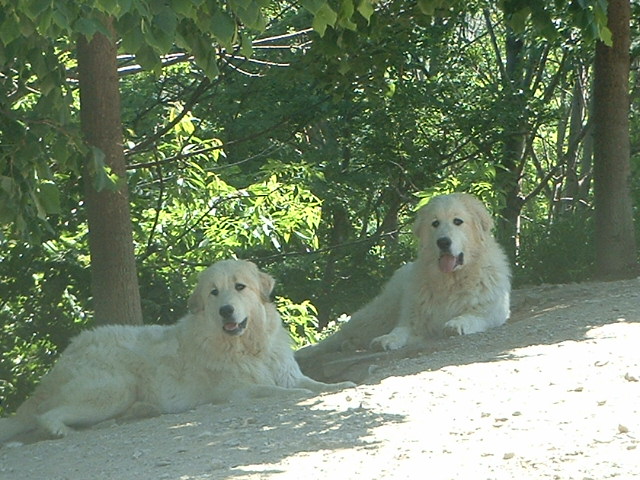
251, 16
346, 12
132, 40
542, 21
246, 48
88, 27
111, 7
148, 58
313, 6
49, 197
34, 8
27, 27
9, 30
62, 17
428, 7
101, 174
518, 20
223, 27
8, 185
166, 21
184, 8
606, 36
325, 17
365, 8
204, 53
163, 30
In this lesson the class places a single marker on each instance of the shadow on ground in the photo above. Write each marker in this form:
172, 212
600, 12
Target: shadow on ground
543, 315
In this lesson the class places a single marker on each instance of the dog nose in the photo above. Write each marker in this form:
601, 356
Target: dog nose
226, 311
444, 243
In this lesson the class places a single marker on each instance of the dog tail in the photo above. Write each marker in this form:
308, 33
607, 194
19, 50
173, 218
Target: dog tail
336, 342
13, 426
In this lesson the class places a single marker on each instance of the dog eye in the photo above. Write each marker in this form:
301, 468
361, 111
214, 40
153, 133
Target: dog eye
435, 223
240, 286
214, 292
458, 221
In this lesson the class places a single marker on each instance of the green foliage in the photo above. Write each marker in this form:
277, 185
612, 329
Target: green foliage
562, 252
39, 133
589, 17
300, 320
44, 294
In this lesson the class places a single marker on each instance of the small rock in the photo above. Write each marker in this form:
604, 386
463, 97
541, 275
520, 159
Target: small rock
622, 429
248, 421
630, 378
508, 456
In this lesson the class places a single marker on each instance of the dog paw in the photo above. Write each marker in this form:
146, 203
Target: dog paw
453, 328
336, 387
464, 325
389, 341
342, 385
56, 428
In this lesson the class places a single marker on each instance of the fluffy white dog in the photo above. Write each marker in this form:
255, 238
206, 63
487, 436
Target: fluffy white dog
459, 284
231, 346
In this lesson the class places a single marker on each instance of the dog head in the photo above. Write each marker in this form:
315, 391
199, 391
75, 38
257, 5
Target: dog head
233, 293
452, 230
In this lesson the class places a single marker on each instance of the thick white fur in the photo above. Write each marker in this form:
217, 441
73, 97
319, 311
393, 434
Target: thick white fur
116, 371
421, 300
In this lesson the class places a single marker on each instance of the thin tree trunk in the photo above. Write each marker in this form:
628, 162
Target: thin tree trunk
572, 187
508, 177
114, 282
340, 226
616, 253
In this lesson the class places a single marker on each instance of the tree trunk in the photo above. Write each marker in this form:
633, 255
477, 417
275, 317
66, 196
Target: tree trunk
114, 282
514, 126
340, 226
616, 254
571, 195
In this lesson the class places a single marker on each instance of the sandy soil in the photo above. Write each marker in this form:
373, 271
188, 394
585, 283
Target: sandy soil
554, 394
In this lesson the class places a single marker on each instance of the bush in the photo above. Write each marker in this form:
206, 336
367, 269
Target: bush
561, 252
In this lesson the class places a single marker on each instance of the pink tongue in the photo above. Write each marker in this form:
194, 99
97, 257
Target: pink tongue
230, 326
447, 263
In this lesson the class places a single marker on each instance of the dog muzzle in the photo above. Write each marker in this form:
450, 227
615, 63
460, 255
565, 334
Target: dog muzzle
449, 263
234, 328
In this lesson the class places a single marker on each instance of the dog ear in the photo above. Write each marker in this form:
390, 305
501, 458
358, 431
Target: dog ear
195, 302
267, 283
418, 222
482, 215
485, 218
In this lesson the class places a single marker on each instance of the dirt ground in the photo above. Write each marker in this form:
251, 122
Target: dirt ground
554, 394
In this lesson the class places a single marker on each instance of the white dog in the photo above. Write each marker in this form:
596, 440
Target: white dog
231, 346
459, 284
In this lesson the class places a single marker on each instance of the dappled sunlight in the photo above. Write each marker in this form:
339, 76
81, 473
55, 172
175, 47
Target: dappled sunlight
552, 394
